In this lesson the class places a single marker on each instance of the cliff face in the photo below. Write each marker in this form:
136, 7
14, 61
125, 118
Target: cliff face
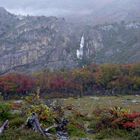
35, 43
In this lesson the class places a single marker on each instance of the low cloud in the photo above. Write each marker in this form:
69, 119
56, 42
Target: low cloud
52, 7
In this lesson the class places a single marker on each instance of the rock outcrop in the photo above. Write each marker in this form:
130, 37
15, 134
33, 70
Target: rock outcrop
34, 43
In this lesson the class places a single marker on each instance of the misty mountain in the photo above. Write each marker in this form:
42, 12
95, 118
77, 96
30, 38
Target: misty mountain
127, 10
7, 20
32, 43
112, 11
79, 11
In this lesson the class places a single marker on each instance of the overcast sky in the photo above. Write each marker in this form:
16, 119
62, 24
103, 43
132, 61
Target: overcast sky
52, 7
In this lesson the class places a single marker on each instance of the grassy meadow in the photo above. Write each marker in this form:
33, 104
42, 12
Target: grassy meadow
87, 104
82, 114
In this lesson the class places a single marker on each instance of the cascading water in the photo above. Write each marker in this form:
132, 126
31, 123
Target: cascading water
80, 51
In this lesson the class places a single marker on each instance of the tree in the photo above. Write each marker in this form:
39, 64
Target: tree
82, 77
16, 83
106, 73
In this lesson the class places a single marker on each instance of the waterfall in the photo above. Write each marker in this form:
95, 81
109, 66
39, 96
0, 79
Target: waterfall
80, 51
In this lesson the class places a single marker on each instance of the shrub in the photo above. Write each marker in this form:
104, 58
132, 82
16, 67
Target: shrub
129, 121
17, 122
16, 134
5, 111
74, 131
116, 118
136, 134
43, 111
103, 119
119, 111
111, 133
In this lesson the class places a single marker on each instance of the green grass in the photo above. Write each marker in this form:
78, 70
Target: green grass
84, 105
15, 134
87, 104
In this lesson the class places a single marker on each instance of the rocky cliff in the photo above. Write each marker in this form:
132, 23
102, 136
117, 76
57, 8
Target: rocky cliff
37, 42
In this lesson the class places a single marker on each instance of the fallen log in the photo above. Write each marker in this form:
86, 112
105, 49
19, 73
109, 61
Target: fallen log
4, 126
60, 126
53, 126
33, 122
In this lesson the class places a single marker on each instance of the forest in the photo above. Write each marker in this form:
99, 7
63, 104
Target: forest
107, 79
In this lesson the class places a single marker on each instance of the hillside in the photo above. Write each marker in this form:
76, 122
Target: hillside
31, 43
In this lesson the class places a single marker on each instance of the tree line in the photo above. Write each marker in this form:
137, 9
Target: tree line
77, 82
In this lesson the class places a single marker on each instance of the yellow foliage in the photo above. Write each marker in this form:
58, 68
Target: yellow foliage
43, 111
119, 111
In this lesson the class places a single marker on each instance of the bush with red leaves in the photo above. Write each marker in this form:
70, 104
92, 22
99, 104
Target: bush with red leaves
132, 115
129, 121
16, 83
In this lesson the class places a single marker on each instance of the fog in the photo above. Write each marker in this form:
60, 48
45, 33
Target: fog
53, 7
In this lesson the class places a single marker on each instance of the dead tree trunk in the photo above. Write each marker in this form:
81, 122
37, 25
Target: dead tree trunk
4, 126
33, 123
60, 126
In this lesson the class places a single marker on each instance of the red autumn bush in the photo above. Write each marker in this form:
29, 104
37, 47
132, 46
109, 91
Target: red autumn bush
128, 121
130, 125
133, 115
116, 118
16, 83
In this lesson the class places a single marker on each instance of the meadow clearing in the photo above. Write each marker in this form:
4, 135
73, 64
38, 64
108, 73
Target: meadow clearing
84, 114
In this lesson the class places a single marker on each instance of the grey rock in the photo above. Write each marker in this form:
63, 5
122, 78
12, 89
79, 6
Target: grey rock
35, 43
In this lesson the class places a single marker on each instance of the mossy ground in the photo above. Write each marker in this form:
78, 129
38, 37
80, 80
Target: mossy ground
84, 105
